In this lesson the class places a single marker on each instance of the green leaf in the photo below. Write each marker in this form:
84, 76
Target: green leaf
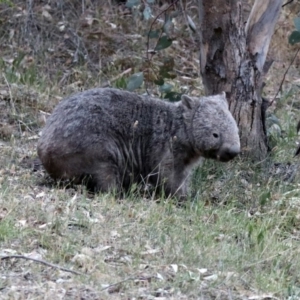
264, 197
166, 70
167, 74
153, 34
272, 119
173, 96
17, 61
260, 237
168, 18
163, 43
191, 24
294, 38
168, 64
168, 27
8, 2
121, 83
166, 88
159, 81
135, 81
174, 14
297, 23
132, 3
147, 12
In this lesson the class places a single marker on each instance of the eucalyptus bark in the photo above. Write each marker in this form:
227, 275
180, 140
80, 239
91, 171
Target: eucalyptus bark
232, 59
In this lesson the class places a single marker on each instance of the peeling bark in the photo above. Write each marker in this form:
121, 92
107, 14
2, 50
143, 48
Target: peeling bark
260, 27
232, 58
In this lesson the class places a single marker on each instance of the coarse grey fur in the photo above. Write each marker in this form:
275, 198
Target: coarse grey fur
114, 138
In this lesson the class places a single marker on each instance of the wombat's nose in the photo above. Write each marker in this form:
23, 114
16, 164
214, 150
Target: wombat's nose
228, 152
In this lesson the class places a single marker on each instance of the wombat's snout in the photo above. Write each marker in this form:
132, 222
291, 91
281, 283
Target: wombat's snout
227, 153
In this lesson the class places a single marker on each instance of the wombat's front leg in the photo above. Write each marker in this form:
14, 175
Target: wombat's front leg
176, 184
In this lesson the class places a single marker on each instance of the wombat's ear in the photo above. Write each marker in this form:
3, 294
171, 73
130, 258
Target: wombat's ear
223, 98
187, 101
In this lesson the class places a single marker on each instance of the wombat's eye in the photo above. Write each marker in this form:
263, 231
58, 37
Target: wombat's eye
215, 135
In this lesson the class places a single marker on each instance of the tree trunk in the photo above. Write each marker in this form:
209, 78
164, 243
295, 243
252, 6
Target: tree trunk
232, 57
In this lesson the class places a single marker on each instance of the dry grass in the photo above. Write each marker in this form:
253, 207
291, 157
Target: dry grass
238, 238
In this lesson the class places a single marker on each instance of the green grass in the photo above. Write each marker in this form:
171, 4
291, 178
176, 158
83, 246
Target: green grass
238, 237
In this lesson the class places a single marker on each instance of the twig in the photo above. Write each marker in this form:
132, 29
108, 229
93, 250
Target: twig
155, 19
281, 83
148, 36
41, 262
186, 21
10, 95
287, 3
269, 258
107, 83
114, 284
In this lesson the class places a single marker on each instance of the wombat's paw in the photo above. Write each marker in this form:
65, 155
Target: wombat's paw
180, 201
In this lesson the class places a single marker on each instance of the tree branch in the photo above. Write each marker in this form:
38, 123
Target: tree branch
283, 78
119, 282
287, 3
41, 262
260, 28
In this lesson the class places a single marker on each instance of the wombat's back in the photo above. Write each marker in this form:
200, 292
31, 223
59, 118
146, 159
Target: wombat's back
88, 125
80, 118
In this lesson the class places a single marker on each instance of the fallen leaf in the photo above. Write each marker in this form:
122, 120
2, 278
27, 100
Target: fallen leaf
150, 251
211, 277
175, 268
159, 276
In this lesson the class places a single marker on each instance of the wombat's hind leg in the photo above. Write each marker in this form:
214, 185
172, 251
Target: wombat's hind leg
106, 178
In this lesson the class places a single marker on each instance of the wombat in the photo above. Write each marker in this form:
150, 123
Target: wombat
112, 138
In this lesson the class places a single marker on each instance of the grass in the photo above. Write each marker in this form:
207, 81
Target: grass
237, 238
